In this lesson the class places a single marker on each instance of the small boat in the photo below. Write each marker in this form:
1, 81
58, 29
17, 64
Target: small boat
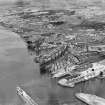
92, 72
27, 99
90, 99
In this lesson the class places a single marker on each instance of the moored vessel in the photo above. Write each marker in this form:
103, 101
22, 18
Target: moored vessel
92, 72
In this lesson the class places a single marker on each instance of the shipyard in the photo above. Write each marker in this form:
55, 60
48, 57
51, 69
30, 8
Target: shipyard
52, 52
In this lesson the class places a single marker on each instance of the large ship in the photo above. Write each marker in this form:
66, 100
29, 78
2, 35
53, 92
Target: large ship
92, 72
27, 99
90, 99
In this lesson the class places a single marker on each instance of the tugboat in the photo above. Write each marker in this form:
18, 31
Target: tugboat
27, 99
92, 72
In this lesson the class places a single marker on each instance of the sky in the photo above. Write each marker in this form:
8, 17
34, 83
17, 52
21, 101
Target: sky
8, 1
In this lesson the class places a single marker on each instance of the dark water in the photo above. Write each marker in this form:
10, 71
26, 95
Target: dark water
17, 68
